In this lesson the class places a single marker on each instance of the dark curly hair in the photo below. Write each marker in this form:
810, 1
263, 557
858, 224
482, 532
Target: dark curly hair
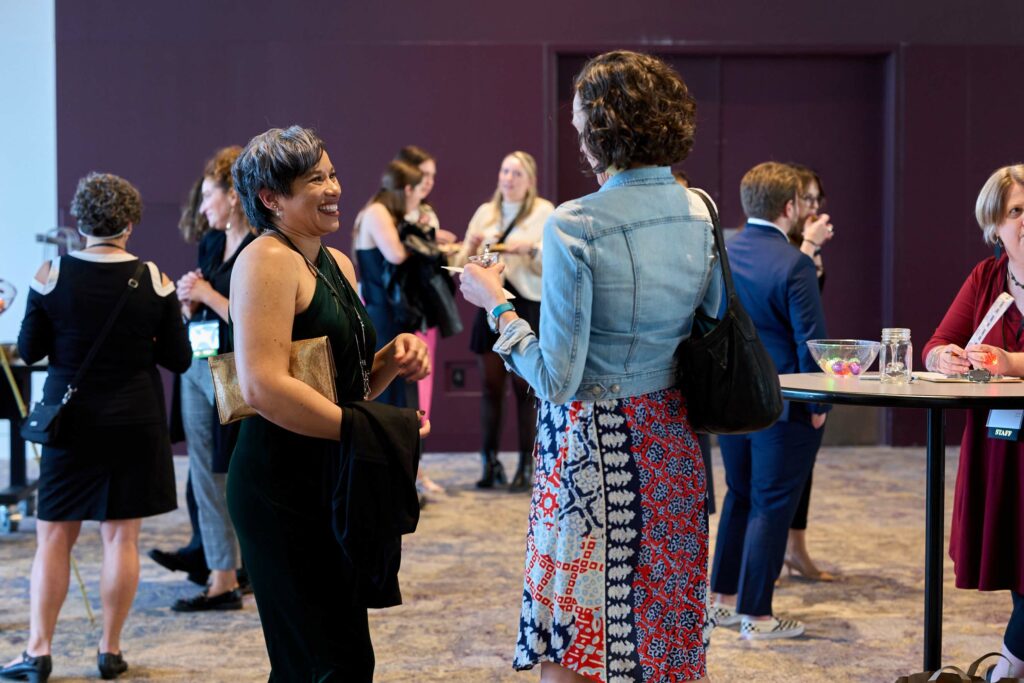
638, 111
105, 204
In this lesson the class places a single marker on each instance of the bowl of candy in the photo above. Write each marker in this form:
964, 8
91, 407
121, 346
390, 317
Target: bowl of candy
844, 357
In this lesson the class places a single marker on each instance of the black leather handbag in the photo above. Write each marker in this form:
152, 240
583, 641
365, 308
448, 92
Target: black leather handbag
44, 424
729, 380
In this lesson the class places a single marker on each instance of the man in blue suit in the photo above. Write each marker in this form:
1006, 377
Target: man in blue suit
765, 471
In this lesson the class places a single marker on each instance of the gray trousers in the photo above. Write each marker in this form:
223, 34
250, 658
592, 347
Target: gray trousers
199, 415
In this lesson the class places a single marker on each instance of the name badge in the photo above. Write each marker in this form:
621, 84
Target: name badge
204, 337
1004, 424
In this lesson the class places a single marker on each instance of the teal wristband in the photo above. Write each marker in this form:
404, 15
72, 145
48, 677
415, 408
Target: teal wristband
501, 308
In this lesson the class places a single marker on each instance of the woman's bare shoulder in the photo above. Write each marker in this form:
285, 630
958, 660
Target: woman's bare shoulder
265, 252
378, 215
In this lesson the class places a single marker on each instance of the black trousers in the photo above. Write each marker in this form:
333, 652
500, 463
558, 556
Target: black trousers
492, 369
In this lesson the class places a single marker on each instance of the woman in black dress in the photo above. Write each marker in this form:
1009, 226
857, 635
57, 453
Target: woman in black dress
287, 286
115, 466
377, 245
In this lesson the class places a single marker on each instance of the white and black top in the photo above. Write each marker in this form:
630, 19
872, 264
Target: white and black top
64, 315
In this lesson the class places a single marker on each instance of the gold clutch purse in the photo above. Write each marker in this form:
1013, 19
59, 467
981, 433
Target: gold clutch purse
311, 362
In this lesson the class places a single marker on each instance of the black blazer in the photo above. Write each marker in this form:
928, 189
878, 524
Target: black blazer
375, 500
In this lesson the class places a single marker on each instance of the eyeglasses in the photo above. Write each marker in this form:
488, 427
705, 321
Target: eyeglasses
812, 199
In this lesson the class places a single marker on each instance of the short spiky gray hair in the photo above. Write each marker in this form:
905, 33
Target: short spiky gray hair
272, 161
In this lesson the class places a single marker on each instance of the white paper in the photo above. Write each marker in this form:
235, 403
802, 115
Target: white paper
995, 312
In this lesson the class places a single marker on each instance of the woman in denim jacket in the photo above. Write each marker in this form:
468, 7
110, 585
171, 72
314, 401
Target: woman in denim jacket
616, 559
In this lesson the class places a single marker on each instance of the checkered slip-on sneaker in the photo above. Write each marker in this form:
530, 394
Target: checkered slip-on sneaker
769, 629
723, 615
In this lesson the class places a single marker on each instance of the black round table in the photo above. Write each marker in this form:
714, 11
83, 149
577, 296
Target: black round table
935, 397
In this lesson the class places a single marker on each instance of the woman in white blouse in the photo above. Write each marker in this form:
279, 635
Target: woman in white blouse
513, 219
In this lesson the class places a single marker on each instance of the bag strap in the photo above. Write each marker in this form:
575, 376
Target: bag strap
133, 284
723, 258
972, 670
950, 669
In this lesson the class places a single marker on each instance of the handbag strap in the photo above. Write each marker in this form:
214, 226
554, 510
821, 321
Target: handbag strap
133, 284
723, 258
972, 670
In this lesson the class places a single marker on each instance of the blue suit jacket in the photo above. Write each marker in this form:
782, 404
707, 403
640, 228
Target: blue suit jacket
778, 286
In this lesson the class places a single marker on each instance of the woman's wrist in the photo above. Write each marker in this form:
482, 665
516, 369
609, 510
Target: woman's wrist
810, 247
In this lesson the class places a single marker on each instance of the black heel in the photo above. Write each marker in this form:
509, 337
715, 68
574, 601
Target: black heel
110, 665
492, 472
31, 669
523, 478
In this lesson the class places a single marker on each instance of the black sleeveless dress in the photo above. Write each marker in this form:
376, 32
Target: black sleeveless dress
279, 496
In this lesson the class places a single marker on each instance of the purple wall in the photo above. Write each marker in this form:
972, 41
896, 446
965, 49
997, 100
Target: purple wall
904, 108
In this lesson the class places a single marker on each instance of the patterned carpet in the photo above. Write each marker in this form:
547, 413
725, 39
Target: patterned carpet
461, 579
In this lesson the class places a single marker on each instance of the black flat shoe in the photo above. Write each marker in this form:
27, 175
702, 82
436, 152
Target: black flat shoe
203, 603
31, 669
198, 572
110, 665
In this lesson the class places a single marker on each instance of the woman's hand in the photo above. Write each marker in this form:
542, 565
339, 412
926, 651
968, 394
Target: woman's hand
818, 230
519, 246
991, 358
424, 424
445, 236
482, 286
473, 242
409, 357
949, 360
184, 285
200, 291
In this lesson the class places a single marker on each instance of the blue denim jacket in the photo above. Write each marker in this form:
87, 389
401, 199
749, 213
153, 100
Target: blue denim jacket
624, 270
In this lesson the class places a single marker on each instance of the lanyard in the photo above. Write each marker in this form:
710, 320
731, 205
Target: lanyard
361, 350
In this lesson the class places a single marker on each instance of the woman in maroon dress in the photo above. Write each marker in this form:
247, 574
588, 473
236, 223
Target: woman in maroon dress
987, 535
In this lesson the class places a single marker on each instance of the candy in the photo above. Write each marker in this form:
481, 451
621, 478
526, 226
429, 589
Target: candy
839, 367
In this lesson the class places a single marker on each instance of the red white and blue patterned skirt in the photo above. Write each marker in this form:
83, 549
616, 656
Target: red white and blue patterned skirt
617, 551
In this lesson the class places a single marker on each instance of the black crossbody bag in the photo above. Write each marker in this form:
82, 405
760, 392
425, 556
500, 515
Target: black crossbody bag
729, 380
43, 424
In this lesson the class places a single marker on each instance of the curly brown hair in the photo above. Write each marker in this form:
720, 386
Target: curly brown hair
638, 111
105, 204
218, 168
